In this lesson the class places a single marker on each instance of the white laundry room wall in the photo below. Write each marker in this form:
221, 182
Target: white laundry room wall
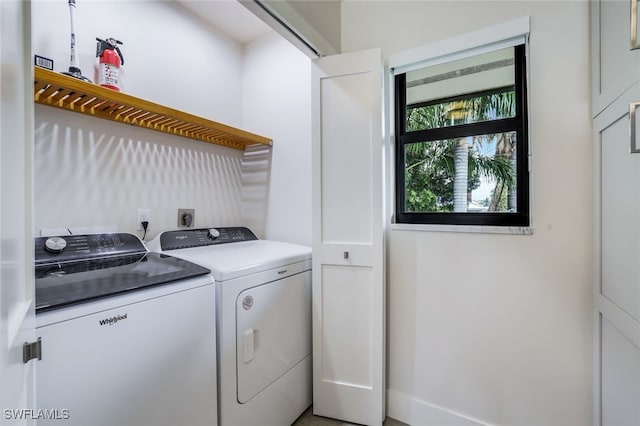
488, 329
277, 102
92, 172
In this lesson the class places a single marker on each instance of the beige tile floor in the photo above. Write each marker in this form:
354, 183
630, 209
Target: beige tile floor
308, 419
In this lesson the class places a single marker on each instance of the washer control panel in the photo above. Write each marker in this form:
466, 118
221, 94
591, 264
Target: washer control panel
65, 248
174, 240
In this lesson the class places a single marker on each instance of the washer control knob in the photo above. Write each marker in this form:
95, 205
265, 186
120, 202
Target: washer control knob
213, 233
55, 244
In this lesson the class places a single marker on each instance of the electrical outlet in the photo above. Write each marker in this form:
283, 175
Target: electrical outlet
143, 215
186, 218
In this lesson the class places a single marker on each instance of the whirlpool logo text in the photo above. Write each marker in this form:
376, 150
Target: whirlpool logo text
113, 320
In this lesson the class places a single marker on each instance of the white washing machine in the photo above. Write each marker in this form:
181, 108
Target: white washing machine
263, 321
126, 336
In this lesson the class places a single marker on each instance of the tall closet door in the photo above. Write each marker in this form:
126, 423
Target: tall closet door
17, 292
348, 256
617, 266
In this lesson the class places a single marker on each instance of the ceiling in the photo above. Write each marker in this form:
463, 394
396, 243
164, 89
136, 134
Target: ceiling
230, 17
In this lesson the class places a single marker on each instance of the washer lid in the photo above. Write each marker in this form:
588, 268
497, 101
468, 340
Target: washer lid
228, 261
67, 283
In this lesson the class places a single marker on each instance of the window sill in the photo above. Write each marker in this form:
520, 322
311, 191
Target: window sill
512, 230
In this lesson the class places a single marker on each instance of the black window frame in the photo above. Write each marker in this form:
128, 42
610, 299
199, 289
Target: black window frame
517, 124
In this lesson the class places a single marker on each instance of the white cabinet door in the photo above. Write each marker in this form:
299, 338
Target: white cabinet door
616, 57
617, 265
348, 254
16, 243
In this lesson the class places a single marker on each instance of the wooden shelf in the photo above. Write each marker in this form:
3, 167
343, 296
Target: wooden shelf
62, 91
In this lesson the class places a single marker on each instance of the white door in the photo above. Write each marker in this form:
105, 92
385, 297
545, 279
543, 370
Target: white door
16, 247
348, 224
617, 266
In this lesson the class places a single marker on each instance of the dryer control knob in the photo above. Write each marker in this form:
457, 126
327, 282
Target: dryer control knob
55, 244
213, 233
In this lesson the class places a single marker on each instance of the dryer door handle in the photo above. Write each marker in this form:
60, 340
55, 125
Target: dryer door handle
248, 338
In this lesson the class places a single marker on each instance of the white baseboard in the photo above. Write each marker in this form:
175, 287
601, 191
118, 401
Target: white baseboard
415, 412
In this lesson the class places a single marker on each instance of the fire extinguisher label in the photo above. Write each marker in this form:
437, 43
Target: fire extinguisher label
109, 75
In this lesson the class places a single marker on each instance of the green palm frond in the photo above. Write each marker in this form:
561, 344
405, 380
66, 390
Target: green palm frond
493, 168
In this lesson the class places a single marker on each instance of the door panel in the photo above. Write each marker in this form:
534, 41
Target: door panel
620, 213
616, 64
348, 224
346, 170
16, 248
616, 270
345, 291
620, 361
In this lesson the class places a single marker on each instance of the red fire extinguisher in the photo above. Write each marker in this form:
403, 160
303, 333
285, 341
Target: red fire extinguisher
110, 61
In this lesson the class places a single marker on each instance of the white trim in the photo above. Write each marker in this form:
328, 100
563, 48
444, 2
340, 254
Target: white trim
491, 38
413, 411
473, 229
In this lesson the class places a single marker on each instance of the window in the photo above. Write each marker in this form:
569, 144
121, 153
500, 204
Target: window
461, 141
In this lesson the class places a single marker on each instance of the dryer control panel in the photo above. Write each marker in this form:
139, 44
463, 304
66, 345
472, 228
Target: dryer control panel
181, 239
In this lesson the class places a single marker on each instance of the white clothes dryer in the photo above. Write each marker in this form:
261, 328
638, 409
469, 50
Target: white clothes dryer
263, 321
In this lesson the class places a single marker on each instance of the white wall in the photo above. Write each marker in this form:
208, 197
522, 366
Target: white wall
171, 56
93, 172
496, 329
277, 102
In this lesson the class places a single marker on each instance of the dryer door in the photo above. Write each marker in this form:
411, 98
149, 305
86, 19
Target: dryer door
273, 332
